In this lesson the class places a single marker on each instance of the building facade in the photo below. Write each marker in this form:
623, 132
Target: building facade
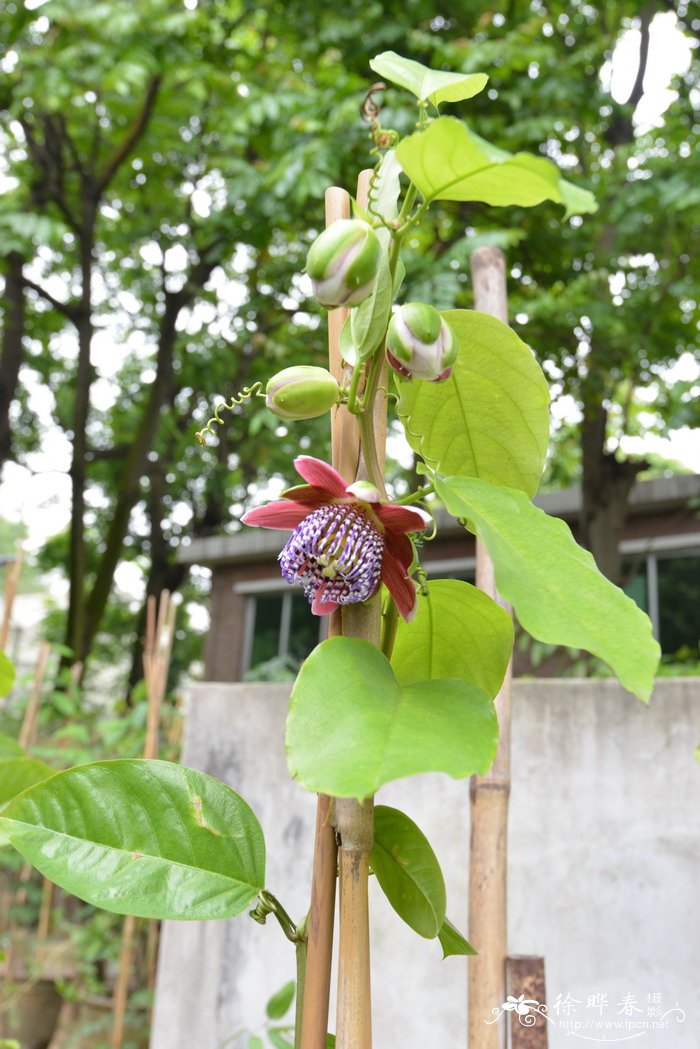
256, 617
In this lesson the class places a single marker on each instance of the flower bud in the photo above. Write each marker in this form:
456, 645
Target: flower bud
302, 392
343, 263
419, 343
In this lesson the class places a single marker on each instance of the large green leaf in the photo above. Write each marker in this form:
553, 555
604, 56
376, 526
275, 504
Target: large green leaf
432, 85
452, 941
408, 871
458, 632
352, 727
19, 772
490, 419
10, 748
558, 593
7, 674
448, 162
148, 838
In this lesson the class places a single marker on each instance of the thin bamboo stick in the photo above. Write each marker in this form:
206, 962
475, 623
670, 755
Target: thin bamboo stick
346, 458
489, 793
11, 585
30, 721
157, 650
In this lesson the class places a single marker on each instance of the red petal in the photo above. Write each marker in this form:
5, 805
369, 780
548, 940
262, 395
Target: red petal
394, 567
402, 518
320, 475
306, 495
282, 514
320, 607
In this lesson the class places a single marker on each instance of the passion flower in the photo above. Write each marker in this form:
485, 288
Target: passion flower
343, 263
419, 343
301, 392
345, 542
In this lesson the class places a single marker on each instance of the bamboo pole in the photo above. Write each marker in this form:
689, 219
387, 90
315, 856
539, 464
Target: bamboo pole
345, 458
11, 585
489, 793
157, 650
30, 721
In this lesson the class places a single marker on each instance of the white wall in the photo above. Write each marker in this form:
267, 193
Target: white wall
603, 871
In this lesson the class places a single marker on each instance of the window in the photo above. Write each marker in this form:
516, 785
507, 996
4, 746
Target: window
667, 587
280, 624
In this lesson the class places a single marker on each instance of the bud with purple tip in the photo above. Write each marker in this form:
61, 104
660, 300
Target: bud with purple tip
343, 263
420, 344
301, 392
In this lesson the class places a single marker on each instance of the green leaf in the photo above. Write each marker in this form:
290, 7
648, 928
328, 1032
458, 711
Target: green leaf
351, 727
18, 773
330, 1041
434, 85
559, 595
278, 1040
577, 201
385, 188
10, 748
281, 1001
452, 941
7, 674
255, 1043
490, 419
148, 838
408, 871
458, 632
449, 162
369, 320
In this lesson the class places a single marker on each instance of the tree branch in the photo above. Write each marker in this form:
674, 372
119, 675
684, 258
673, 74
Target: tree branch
68, 309
133, 134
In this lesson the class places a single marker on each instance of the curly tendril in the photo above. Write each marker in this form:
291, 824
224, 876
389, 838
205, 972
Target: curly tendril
256, 390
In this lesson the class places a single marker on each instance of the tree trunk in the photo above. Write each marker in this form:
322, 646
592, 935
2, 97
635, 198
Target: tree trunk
606, 488
81, 408
12, 346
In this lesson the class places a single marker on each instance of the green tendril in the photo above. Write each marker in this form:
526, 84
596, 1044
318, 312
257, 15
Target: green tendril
246, 393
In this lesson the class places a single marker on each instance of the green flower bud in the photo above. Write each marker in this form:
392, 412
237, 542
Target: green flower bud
343, 263
302, 392
419, 343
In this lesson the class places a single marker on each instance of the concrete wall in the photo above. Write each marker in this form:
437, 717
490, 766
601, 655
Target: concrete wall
603, 872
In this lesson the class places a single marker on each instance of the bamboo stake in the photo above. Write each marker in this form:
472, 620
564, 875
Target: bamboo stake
344, 457
11, 585
30, 721
489, 793
157, 650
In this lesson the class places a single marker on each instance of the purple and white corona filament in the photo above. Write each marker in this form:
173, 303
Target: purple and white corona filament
336, 555
345, 542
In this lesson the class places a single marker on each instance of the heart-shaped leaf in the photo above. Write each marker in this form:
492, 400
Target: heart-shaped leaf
408, 871
447, 162
490, 418
433, 85
148, 838
351, 727
553, 584
458, 632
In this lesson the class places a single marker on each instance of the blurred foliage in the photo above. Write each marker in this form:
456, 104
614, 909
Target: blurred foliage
198, 241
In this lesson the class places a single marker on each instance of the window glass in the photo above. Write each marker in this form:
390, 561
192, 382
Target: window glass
303, 628
266, 632
679, 603
635, 575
